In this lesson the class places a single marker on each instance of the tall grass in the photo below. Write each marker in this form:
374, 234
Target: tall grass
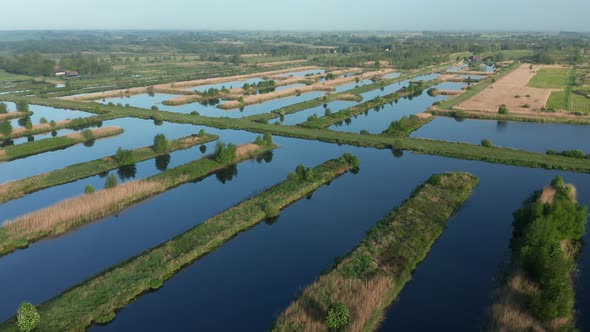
97, 299
369, 278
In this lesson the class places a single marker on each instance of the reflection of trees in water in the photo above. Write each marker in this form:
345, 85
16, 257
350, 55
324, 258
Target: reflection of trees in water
127, 172
398, 153
89, 143
162, 162
227, 174
158, 122
355, 170
103, 174
271, 220
6, 143
203, 148
53, 133
266, 157
501, 126
23, 121
30, 138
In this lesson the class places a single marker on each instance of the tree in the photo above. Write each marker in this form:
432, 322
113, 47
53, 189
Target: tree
503, 109
337, 316
22, 106
225, 154
43, 120
52, 124
3, 108
29, 124
486, 143
27, 317
5, 128
111, 182
123, 156
161, 144
89, 189
202, 133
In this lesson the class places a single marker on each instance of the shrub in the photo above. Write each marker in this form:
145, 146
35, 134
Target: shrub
87, 133
225, 154
337, 316
123, 156
486, 143
558, 182
503, 110
460, 114
52, 124
27, 317
364, 132
155, 108
328, 112
28, 124
526, 106
202, 133
351, 159
161, 144
271, 211
5, 128
89, 189
267, 140
22, 106
309, 174
111, 182
43, 120
3, 108
195, 113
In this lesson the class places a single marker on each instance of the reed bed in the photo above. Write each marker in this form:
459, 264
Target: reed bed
370, 277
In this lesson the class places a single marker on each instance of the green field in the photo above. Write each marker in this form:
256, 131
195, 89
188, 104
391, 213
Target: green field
576, 103
550, 78
556, 101
5, 77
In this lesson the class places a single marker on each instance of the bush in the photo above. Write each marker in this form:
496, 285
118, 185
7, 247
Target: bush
155, 108
202, 133
503, 110
271, 211
364, 132
88, 134
123, 156
27, 317
89, 189
486, 143
3, 108
111, 182
328, 112
161, 144
22, 106
351, 159
337, 316
43, 120
52, 124
225, 154
29, 124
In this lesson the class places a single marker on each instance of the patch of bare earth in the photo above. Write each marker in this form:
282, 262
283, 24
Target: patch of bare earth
12, 115
512, 91
17, 132
97, 133
246, 149
424, 115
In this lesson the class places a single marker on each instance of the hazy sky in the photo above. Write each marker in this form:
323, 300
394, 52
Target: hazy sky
529, 15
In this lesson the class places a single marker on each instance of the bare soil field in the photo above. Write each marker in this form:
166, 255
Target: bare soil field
18, 132
512, 91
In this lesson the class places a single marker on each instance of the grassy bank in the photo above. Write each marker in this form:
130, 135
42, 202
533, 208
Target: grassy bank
19, 188
370, 277
479, 87
23, 150
66, 215
539, 118
538, 291
97, 299
407, 125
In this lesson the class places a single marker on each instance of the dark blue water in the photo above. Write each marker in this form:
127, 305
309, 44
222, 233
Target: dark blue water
536, 137
303, 73
256, 275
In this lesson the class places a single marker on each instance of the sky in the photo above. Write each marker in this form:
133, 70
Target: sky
388, 15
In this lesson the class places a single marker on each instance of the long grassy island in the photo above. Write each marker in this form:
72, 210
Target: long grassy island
19, 188
97, 299
369, 278
66, 215
538, 290
24, 150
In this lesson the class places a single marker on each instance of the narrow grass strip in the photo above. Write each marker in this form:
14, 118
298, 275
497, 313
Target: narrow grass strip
370, 277
15, 189
97, 299
24, 150
71, 124
66, 215
14, 115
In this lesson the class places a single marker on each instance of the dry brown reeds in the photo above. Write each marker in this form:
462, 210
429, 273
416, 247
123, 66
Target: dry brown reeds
61, 217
